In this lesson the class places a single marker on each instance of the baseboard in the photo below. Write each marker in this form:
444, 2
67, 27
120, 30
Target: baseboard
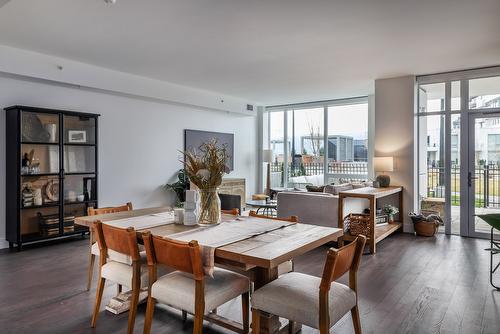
4, 243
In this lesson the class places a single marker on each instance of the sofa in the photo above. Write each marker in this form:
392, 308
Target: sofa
302, 181
316, 208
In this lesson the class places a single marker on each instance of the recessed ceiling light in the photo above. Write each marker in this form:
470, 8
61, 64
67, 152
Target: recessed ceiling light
110, 1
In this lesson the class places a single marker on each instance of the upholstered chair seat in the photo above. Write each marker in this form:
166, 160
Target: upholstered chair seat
178, 289
295, 296
121, 273
94, 247
188, 288
313, 301
118, 257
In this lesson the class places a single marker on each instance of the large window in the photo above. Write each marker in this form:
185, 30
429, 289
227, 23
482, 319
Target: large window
298, 134
307, 147
347, 142
277, 144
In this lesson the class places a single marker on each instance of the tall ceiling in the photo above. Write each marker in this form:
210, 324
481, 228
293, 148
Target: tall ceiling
269, 51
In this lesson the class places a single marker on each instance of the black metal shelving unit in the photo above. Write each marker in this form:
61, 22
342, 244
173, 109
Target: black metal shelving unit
65, 145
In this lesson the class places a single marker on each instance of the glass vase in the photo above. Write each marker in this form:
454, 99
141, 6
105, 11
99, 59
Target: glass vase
208, 207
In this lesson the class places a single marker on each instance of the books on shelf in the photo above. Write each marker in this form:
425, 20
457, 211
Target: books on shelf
121, 303
49, 224
381, 220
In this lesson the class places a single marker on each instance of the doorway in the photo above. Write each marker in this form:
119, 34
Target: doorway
458, 148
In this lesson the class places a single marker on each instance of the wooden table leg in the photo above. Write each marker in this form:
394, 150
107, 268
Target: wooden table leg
270, 323
373, 213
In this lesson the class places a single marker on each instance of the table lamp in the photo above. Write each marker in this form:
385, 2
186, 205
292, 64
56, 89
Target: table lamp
383, 165
267, 157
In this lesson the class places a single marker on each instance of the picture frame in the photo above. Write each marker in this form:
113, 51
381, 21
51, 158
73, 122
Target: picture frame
77, 136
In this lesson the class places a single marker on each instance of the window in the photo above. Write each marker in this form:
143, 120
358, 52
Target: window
298, 134
347, 142
493, 149
484, 93
307, 147
432, 97
277, 144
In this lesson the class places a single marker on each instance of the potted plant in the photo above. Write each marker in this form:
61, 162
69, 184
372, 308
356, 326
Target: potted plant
390, 211
179, 187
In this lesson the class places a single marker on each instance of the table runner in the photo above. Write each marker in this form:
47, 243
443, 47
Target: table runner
226, 233
144, 222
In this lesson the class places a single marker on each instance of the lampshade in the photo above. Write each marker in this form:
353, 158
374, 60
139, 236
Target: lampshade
267, 156
383, 164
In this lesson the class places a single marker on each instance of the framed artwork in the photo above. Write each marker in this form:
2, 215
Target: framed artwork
77, 136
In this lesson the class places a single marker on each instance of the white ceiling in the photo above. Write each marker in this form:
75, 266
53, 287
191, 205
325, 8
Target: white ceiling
269, 51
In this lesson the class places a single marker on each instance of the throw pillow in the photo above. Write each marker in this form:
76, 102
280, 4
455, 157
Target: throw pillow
315, 189
341, 187
329, 188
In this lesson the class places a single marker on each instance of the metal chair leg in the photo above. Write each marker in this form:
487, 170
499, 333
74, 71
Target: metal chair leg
494, 250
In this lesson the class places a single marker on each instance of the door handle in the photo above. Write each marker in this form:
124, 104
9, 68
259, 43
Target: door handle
470, 178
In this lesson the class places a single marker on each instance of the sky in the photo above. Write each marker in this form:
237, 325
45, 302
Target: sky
347, 120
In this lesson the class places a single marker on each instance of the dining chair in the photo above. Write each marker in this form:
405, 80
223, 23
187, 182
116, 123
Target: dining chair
287, 266
94, 248
293, 219
233, 212
132, 274
187, 288
313, 301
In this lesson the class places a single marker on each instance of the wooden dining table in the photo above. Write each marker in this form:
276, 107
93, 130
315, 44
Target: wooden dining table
257, 257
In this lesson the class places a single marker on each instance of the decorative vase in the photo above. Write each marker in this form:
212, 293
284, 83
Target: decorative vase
384, 180
208, 207
391, 219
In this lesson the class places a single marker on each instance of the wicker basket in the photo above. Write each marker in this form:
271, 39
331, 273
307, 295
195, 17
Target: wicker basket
425, 228
358, 224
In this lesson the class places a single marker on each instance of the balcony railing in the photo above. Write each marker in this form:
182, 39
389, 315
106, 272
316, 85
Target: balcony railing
487, 184
486, 177
316, 168
347, 171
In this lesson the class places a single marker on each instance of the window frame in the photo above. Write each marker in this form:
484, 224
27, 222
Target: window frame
311, 105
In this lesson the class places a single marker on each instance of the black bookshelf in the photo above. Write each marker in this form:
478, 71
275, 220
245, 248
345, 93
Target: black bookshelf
51, 172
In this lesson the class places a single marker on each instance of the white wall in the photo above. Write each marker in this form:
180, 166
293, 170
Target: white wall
138, 139
41, 66
395, 134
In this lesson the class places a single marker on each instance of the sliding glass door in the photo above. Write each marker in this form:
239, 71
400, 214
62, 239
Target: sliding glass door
458, 148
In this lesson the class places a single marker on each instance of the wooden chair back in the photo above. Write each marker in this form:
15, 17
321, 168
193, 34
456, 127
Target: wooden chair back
110, 209
293, 219
179, 255
233, 212
341, 261
118, 239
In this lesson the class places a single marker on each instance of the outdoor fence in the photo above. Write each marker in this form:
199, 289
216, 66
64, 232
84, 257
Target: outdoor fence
352, 171
316, 168
486, 179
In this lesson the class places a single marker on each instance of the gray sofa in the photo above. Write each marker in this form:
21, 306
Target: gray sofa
316, 208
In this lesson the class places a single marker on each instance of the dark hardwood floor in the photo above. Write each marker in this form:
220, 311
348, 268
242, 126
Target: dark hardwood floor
412, 285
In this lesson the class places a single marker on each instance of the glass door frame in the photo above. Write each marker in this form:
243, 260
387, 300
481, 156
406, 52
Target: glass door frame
467, 197
471, 180
447, 112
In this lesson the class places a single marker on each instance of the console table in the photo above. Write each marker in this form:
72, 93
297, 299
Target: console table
378, 233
